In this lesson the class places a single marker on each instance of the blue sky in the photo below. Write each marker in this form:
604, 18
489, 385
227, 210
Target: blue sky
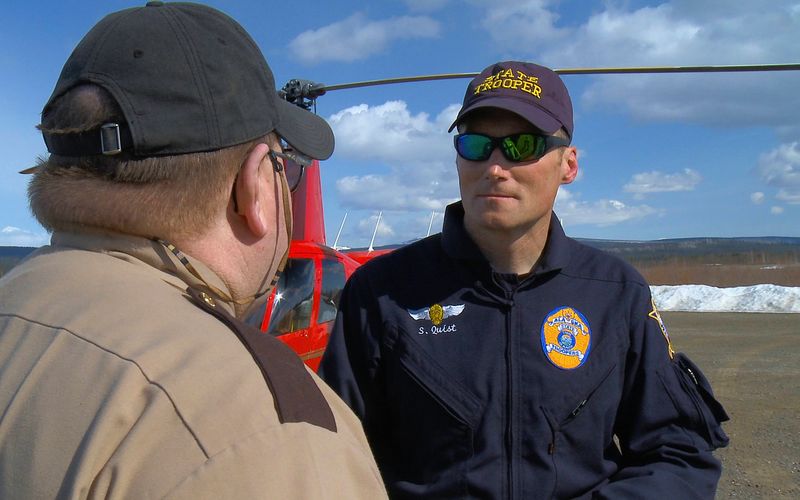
661, 156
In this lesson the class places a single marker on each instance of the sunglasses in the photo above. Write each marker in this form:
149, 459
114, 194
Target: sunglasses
294, 164
516, 147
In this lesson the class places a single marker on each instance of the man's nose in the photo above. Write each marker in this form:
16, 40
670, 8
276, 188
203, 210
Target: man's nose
497, 165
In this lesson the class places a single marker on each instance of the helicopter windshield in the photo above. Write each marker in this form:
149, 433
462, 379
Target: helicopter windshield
333, 279
294, 295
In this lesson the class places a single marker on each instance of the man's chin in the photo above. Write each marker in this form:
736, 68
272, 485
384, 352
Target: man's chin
493, 221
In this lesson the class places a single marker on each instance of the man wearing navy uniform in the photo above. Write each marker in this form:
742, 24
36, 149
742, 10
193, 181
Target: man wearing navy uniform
502, 359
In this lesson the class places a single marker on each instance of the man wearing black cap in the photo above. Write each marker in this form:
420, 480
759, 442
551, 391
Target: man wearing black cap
125, 370
502, 359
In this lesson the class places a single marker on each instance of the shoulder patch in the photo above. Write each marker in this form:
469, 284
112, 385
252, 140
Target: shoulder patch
654, 314
566, 337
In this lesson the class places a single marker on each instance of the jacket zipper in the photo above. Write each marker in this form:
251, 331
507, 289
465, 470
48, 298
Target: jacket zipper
579, 408
512, 408
693, 393
506, 303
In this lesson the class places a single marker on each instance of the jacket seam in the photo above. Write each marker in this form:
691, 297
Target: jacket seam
117, 355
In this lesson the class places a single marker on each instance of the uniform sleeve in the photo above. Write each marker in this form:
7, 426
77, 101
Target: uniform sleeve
668, 422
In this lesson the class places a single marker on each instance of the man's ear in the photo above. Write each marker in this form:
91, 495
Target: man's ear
569, 165
251, 192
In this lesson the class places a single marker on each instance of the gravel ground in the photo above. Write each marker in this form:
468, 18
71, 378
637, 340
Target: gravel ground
753, 363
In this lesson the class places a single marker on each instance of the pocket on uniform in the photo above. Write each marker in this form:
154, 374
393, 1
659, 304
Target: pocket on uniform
581, 433
580, 405
694, 399
432, 419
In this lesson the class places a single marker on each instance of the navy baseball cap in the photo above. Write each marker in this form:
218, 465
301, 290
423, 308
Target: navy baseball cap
534, 92
188, 78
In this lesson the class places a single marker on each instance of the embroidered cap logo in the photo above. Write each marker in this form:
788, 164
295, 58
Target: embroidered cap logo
534, 92
512, 80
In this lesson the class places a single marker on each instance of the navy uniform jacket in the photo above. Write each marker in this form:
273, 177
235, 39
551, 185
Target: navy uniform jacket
560, 385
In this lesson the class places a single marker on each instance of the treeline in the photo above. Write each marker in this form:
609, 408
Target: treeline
722, 262
737, 248
753, 257
10, 256
7, 263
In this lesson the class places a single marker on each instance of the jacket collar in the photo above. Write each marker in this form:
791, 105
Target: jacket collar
145, 252
457, 243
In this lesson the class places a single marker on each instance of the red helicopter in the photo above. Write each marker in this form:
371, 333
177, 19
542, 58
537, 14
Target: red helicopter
301, 309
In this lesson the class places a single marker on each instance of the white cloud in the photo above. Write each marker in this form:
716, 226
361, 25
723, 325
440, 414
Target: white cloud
674, 33
416, 149
425, 5
391, 133
652, 33
776, 210
11, 236
573, 211
789, 196
757, 198
391, 192
659, 182
780, 168
357, 38
721, 100
368, 226
513, 24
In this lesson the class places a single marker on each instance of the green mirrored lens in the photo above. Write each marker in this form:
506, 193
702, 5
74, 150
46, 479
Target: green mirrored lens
521, 146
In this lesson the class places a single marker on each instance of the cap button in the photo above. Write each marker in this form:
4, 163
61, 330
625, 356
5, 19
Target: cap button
154, 3
207, 299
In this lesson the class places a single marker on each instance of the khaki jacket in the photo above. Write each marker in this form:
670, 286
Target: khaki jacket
114, 384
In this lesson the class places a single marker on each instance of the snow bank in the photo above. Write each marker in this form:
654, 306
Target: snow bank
703, 298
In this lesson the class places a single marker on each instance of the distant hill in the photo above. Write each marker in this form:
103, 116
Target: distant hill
658, 249
18, 252
9, 256
721, 262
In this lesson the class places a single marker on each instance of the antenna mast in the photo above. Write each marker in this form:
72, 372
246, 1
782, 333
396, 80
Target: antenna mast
430, 224
375, 231
336, 241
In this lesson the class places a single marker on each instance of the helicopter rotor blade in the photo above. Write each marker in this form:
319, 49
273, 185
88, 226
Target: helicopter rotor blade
581, 71
407, 79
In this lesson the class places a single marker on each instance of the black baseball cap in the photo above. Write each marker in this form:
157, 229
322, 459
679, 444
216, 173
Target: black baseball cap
534, 92
188, 78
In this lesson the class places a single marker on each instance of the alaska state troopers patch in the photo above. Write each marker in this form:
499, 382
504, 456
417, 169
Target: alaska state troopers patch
566, 337
654, 314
